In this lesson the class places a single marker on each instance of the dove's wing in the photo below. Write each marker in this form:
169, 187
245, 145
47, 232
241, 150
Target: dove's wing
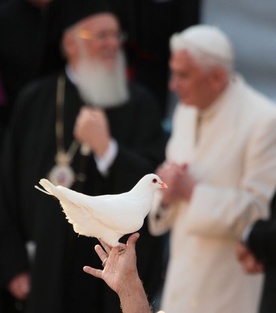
118, 212
84, 223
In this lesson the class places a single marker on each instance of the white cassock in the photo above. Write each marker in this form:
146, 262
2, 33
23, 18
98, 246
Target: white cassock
235, 164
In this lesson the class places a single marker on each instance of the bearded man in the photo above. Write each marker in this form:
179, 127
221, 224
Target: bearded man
86, 128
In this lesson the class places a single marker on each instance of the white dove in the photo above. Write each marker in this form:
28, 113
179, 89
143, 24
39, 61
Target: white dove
106, 217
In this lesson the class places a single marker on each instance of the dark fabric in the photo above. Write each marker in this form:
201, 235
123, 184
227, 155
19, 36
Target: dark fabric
58, 282
149, 25
268, 300
8, 304
262, 239
74, 11
262, 242
11, 248
29, 47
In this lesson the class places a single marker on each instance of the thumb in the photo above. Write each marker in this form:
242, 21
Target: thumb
133, 239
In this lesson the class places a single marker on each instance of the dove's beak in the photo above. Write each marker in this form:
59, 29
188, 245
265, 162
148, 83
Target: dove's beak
163, 185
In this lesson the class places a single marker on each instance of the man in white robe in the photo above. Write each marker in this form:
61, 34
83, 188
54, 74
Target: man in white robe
221, 174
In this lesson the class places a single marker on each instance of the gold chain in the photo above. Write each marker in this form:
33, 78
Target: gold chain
62, 157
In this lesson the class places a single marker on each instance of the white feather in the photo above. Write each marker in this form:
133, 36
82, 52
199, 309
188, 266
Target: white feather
106, 217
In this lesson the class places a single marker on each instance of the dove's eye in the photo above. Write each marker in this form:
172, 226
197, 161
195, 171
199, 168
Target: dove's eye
154, 180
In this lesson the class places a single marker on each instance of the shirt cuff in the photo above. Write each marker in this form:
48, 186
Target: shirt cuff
246, 234
104, 162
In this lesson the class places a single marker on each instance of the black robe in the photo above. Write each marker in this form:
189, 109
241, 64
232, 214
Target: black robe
262, 242
148, 25
30, 47
58, 282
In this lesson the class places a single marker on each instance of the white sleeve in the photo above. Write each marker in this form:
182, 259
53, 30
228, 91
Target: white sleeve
161, 218
218, 211
103, 163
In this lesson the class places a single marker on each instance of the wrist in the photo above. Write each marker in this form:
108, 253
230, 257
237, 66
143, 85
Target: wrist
133, 297
100, 150
188, 191
128, 285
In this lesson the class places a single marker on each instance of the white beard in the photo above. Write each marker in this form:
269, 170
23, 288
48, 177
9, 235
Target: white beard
100, 86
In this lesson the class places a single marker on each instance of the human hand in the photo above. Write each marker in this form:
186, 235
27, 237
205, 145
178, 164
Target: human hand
20, 286
92, 129
119, 264
179, 181
248, 261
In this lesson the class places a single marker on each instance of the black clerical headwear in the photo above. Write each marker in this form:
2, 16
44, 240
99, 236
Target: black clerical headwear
74, 11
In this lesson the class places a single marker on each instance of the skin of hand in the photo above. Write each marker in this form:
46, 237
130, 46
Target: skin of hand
120, 274
92, 129
248, 261
20, 285
179, 181
120, 265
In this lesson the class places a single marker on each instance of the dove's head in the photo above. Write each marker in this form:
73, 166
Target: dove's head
152, 181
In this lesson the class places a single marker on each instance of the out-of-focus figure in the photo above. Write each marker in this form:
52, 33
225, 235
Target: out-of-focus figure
220, 170
86, 128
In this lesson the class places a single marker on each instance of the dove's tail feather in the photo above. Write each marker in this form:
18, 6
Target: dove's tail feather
47, 185
40, 189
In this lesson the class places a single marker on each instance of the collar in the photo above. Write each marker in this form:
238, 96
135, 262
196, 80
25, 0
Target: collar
70, 74
211, 111
216, 105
